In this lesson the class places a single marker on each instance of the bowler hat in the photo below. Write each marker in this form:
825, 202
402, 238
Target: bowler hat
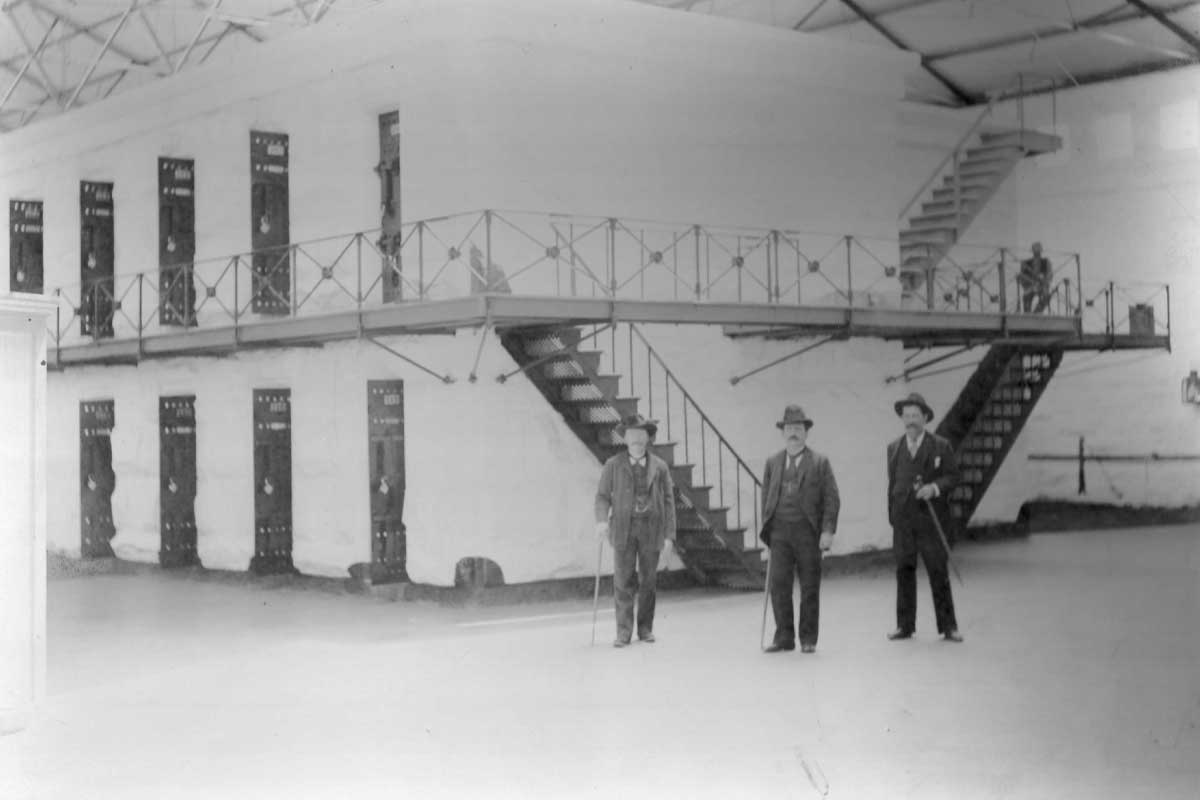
635, 421
917, 400
794, 414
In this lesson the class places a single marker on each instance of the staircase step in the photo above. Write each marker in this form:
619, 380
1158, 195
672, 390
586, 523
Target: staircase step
599, 410
934, 237
716, 559
968, 192
947, 207
681, 474
993, 151
936, 220
994, 167
711, 518
983, 183
699, 495
1031, 142
699, 539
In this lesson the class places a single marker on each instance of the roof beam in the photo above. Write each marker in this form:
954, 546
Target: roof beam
883, 12
90, 31
961, 94
1104, 20
199, 32
33, 56
96, 61
46, 85
1168, 23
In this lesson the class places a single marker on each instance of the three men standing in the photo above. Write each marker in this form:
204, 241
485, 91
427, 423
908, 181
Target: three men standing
800, 511
921, 472
635, 509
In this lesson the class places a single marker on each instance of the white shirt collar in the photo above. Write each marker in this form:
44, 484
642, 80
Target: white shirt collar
788, 456
644, 459
914, 445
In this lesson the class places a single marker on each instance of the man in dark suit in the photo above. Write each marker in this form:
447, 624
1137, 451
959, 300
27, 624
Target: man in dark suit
1034, 277
800, 511
635, 509
921, 472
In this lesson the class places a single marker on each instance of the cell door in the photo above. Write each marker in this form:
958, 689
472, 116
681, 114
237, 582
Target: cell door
177, 481
97, 259
385, 415
96, 478
269, 233
272, 482
176, 241
390, 237
25, 246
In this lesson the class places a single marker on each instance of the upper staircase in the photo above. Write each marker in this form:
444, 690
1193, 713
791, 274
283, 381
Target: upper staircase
710, 536
989, 414
970, 176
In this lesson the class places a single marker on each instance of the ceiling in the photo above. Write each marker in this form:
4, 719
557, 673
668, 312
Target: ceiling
973, 49
56, 55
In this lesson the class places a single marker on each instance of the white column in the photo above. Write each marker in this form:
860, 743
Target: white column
23, 320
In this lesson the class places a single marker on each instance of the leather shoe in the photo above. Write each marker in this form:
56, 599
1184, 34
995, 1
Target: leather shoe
899, 634
779, 648
620, 643
952, 635
648, 638
808, 648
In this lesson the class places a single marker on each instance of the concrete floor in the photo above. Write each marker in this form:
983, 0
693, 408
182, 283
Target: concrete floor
1079, 678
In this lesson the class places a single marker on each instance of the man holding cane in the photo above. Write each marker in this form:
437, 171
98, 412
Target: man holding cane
922, 470
800, 512
635, 510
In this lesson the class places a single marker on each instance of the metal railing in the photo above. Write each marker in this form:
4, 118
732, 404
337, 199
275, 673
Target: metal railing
699, 441
558, 255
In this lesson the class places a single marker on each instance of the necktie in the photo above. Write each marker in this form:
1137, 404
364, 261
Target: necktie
912, 448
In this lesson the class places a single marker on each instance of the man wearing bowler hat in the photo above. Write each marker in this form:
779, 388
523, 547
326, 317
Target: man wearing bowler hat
800, 511
635, 509
922, 470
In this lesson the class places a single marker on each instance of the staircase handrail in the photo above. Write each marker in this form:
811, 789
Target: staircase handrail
692, 401
954, 151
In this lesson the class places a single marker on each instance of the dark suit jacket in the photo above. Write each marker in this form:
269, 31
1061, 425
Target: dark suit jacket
818, 492
615, 495
935, 463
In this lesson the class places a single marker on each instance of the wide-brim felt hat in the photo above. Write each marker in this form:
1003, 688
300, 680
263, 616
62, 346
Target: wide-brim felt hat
914, 399
636, 421
794, 415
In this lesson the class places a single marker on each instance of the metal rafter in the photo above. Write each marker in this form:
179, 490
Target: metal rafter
961, 94
199, 32
33, 56
90, 30
1099, 21
1168, 23
883, 12
46, 85
133, 4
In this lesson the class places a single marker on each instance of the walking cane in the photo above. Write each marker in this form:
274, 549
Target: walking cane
945, 544
596, 592
766, 587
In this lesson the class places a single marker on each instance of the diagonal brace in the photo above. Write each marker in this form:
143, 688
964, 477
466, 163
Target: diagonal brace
1168, 23
739, 378
913, 370
443, 378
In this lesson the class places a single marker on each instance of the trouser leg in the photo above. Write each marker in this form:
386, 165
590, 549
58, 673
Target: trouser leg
809, 566
624, 564
647, 570
783, 571
905, 550
937, 566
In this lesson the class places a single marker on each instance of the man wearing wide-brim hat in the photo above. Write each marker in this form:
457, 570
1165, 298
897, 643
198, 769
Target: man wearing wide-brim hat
800, 505
922, 471
635, 509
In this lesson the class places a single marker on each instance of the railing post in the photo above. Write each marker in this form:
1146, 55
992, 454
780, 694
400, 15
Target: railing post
1082, 474
358, 257
957, 193
420, 260
738, 265
571, 244
930, 271
632, 372
140, 276
1003, 283
612, 257
849, 272
1021, 109
487, 246
237, 303
1078, 286
1112, 310
295, 287
1167, 286
696, 231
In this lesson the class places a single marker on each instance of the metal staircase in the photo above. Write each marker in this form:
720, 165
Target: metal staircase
970, 176
711, 535
989, 414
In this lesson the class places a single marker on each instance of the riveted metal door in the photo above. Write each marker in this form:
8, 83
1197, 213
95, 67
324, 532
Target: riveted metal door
177, 481
385, 415
272, 482
25, 246
176, 241
390, 237
270, 237
97, 253
96, 478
